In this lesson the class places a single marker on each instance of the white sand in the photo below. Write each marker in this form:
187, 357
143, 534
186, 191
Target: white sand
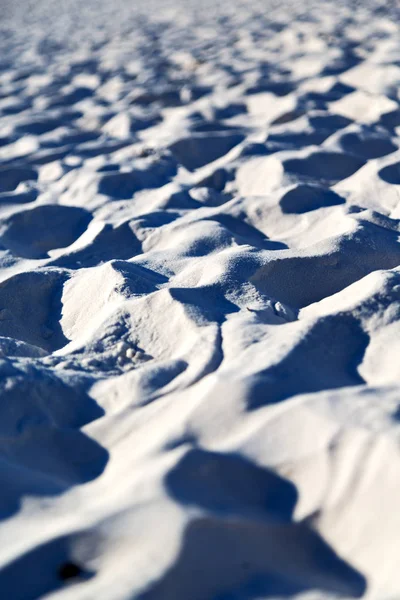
199, 300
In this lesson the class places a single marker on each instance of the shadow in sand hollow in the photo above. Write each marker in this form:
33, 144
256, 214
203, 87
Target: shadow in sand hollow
367, 145
350, 259
11, 176
326, 358
242, 541
33, 233
30, 308
205, 303
198, 150
391, 174
109, 243
43, 570
244, 233
331, 167
305, 198
43, 451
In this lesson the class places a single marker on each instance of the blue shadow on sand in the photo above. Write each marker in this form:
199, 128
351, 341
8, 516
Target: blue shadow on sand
241, 541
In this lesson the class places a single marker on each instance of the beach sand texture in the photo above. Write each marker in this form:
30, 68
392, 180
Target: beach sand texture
199, 300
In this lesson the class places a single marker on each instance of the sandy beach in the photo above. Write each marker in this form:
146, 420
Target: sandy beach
199, 300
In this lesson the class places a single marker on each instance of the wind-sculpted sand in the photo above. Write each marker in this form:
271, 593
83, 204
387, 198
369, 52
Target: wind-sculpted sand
199, 300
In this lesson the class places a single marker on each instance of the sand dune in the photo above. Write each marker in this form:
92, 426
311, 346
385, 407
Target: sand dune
199, 300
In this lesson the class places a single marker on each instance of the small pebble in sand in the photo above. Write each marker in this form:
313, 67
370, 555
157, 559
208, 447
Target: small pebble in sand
130, 353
